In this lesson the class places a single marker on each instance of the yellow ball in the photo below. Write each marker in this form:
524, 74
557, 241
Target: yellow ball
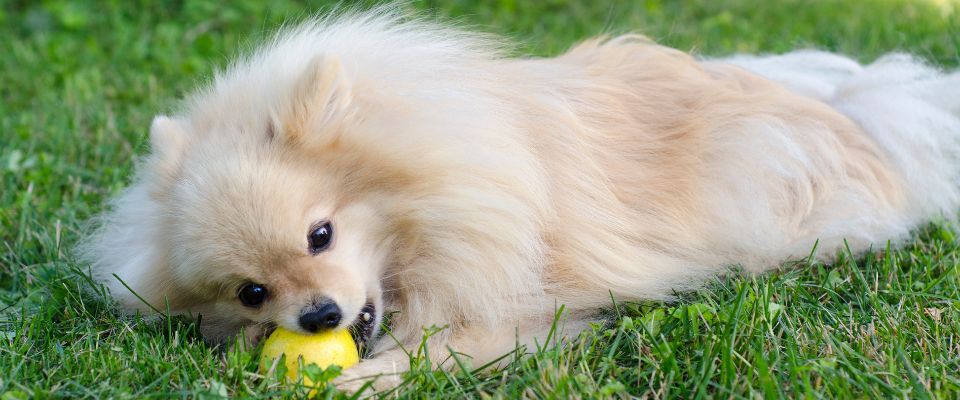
324, 349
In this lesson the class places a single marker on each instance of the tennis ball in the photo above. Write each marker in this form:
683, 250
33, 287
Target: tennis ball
324, 349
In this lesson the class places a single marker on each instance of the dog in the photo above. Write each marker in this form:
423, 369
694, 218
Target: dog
366, 164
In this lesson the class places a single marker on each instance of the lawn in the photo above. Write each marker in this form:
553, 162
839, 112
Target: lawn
80, 82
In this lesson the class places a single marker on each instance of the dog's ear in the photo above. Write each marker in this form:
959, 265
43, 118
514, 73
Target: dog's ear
320, 105
168, 138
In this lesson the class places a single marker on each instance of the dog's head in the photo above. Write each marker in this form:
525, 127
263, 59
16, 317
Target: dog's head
271, 237
260, 215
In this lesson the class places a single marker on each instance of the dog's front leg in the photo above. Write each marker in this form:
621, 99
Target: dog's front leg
473, 347
384, 372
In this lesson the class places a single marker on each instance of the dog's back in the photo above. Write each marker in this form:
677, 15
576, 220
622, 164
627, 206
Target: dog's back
669, 168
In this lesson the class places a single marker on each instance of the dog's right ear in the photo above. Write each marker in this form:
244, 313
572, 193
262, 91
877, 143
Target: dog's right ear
319, 107
168, 138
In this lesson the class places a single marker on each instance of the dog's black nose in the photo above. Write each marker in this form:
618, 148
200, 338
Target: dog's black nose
326, 317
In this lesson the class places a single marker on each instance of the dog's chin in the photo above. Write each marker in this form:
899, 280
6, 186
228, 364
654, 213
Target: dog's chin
256, 333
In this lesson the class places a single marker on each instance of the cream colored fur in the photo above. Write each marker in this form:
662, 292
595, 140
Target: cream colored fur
478, 192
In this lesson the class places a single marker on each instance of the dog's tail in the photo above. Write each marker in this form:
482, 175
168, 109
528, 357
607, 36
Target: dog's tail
911, 109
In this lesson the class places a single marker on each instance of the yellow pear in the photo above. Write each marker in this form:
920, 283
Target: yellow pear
324, 349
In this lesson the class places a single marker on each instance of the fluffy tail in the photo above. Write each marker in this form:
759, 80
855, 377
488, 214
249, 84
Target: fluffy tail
910, 108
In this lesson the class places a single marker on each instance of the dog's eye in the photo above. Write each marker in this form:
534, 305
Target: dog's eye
252, 294
320, 237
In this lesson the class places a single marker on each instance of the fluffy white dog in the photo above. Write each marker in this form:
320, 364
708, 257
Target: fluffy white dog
362, 165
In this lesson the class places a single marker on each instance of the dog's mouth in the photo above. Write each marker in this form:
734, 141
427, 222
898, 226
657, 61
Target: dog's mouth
365, 325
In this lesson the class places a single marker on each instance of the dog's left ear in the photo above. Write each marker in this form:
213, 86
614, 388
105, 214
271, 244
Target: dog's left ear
320, 106
168, 138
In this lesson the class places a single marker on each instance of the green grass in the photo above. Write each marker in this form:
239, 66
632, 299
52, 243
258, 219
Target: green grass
80, 82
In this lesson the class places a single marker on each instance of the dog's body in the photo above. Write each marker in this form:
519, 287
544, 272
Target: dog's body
478, 192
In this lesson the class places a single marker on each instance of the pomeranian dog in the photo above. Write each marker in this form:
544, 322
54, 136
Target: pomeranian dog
366, 164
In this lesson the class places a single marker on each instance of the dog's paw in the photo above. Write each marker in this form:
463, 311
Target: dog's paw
371, 376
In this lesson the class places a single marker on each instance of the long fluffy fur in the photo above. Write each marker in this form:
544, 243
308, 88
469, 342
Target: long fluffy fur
496, 188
